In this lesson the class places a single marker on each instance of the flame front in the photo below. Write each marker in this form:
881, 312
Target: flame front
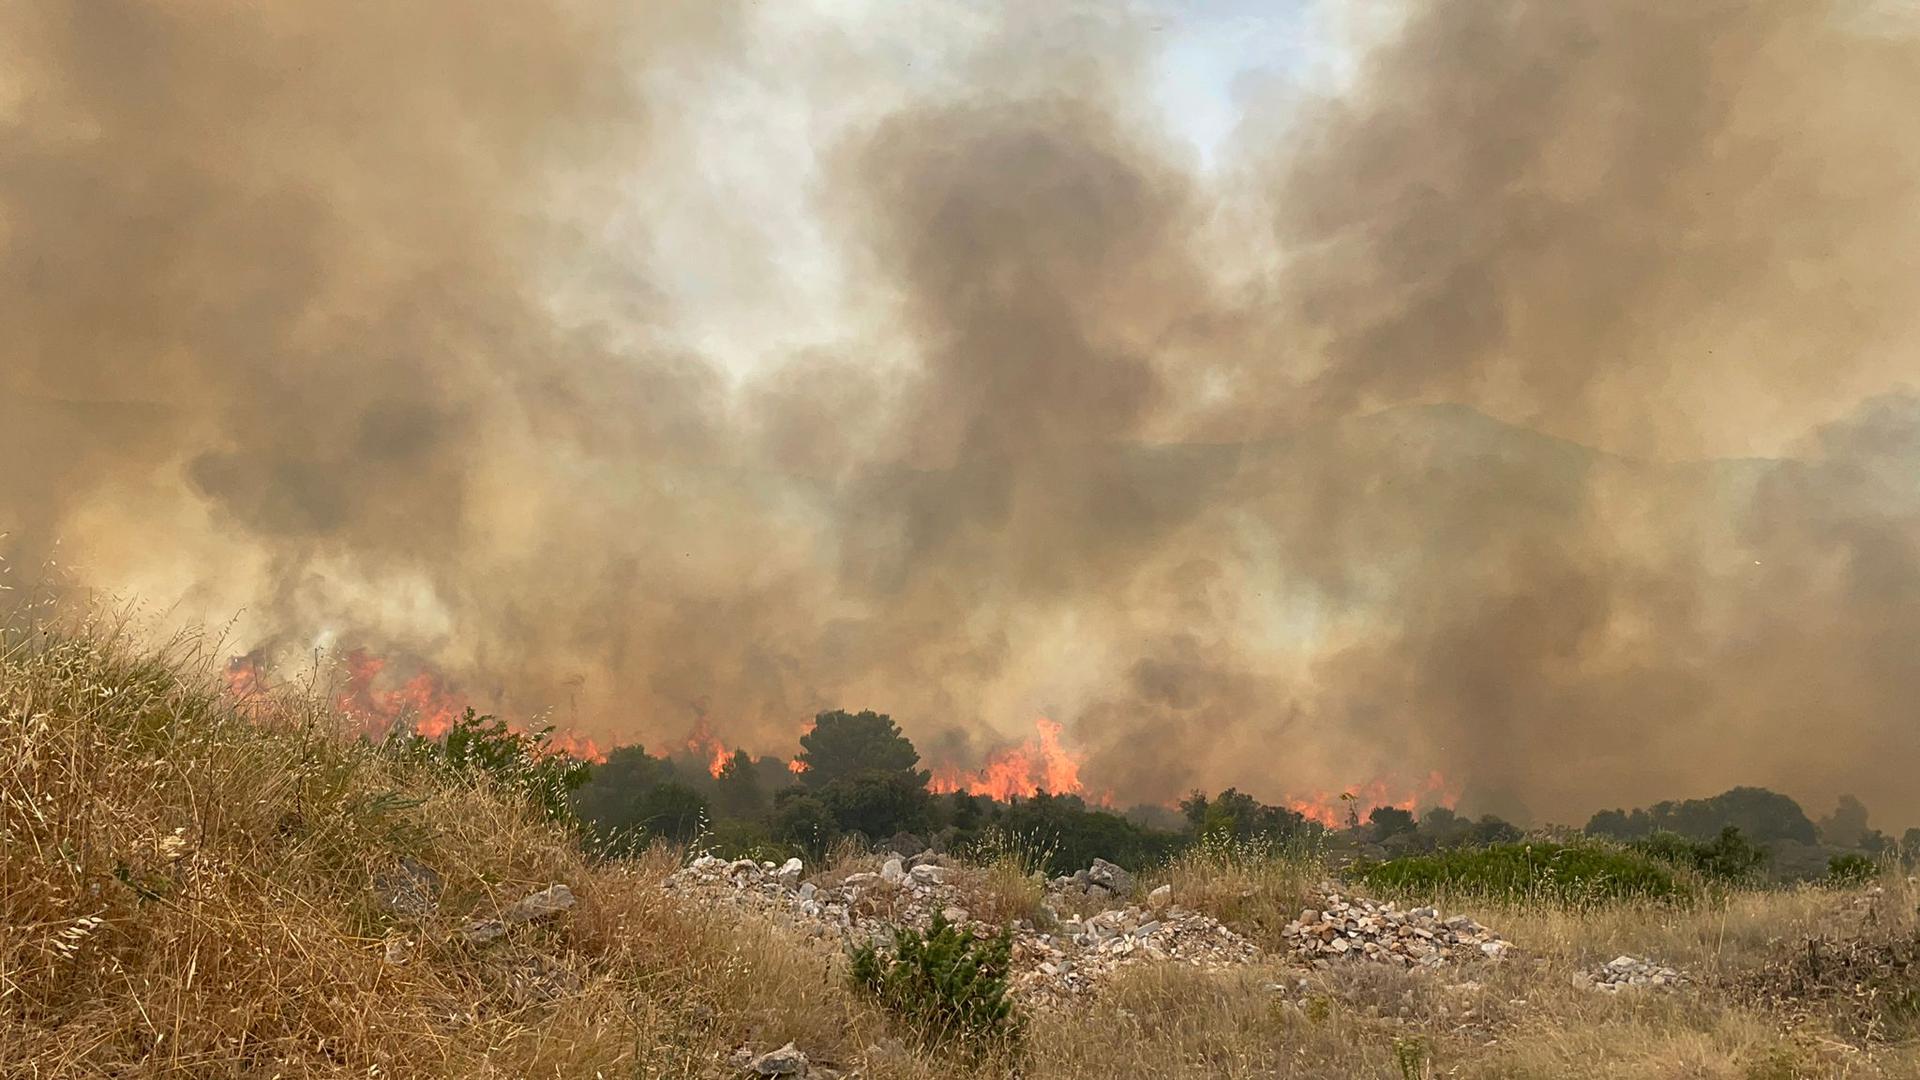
425, 699
1042, 763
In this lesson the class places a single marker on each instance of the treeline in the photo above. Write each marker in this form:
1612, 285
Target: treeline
857, 778
1794, 845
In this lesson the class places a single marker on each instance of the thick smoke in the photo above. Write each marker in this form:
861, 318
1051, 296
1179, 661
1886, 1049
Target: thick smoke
1549, 430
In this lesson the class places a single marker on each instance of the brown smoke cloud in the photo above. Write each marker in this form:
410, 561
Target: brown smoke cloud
1552, 430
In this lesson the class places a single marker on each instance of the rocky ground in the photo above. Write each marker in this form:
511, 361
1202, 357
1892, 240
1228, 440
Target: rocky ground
1057, 956
1623, 972
1348, 928
1061, 955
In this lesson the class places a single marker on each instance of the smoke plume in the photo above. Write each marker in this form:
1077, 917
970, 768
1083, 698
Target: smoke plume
1531, 404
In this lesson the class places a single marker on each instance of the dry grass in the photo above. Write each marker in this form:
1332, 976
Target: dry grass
1254, 888
187, 890
1005, 879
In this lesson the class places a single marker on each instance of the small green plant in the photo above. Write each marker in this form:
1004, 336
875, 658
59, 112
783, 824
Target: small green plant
950, 985
1410, 1054
522, 761
1851, 868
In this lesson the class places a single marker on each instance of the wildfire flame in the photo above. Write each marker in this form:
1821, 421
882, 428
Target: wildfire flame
247, 680
575, 746
796, 766
702, 741
426, 699
1041, 763
1332, 808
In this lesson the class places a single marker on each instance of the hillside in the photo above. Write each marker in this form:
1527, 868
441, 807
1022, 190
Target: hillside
190, 890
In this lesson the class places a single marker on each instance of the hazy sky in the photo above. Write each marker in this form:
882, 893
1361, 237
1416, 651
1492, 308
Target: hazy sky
733, 239
1245, 380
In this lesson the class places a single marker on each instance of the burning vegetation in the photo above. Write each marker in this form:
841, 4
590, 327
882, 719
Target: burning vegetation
1039, 764
376, 705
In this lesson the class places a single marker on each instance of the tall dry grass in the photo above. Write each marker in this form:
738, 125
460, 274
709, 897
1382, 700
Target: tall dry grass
188, 890
1255, 886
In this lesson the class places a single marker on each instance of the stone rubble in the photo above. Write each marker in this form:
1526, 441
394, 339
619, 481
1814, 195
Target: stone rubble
408, 889
786, 1061
1355, 928
537, 907
1624, 971
1057, 960
1100, 881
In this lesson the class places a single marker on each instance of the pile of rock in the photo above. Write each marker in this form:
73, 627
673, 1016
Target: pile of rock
1099, 881
1625, 971
536, 907
1355, 928
1081, 952
1056, 959
786, 1061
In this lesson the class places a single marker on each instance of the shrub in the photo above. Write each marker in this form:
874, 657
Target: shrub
802, 820
948, 984
1730, 858
1851, 868
523, 762
1076, 834
1866, 987
1576, 874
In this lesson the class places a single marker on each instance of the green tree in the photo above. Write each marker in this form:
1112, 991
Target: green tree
801, 819
1762, 816
948, 983
1389, 821
844, 745
967, 810
1235, 815
737, 789
1846, 827
604, 803
879, 804
1492, 830
1444, 828
1076, 834
1729, 857
670, 810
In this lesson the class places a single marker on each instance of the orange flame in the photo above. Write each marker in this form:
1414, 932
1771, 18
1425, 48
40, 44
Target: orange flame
1332, 810
703, 742
574, 746
1042, 763
247, 681
426, 698
796, 766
